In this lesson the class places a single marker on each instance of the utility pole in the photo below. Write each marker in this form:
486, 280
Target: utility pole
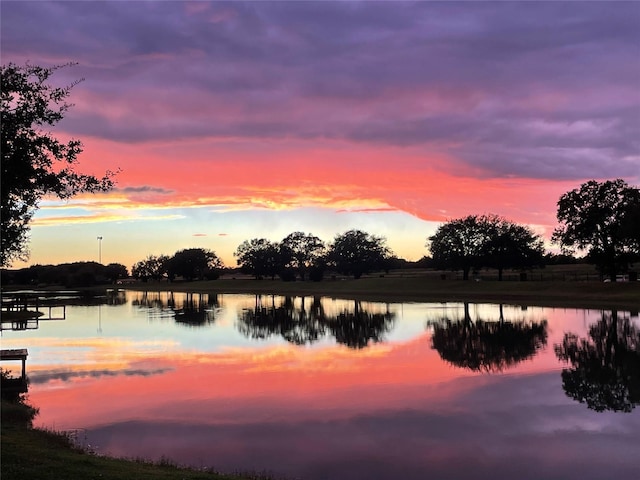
100, 250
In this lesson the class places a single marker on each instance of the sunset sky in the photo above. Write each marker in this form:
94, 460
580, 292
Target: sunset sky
231, 121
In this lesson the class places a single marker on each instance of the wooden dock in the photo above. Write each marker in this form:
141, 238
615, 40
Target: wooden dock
40, 307
16, 354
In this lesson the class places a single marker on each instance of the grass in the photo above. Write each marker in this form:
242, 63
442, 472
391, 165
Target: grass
570, 294
29, 453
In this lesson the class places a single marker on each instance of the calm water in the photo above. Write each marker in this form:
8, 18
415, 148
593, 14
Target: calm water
330, 389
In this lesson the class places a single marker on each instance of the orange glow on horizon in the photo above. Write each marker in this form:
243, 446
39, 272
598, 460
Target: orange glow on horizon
212, 187
358, 179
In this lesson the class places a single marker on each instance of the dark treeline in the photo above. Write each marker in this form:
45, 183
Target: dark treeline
298, 256
600, 220
202, 264
77, 274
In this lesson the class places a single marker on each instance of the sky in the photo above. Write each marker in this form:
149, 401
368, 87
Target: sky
232, 121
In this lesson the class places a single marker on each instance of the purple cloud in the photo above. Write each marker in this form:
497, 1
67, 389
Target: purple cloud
548, 90
499, 430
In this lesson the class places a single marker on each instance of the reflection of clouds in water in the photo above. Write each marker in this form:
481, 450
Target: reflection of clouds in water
498, 430
46, 351
95, 342
66, 375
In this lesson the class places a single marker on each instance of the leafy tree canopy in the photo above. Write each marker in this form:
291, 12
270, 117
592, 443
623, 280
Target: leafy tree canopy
510, 245
259, 257
603, 219
301, 252
116, 271
478, 241
153, 267
459, 243
356, 252
194, 263
34, 162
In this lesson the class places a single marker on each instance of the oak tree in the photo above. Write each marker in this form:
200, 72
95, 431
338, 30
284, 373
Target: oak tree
356, 252
478, 241
259, 257
301, 252
603, 219
194, 263
34, 162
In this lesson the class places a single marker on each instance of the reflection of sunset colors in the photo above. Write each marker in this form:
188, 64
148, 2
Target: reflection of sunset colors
139, 382
334, 407
288, 378
233, 121
278, 383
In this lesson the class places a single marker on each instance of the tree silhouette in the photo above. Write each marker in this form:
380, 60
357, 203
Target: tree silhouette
511, 246
605, 371
487, 346
115, 272
479, 241
34, 162
603, 219
301, 252
356, 252
259, 257
153, 267
194, 263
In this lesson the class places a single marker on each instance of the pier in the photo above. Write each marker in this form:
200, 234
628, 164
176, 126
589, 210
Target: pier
16, 354
41, 309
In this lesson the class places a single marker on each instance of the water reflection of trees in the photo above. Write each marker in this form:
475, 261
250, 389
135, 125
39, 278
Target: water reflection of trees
190, 309
489, 346
357, 328
116, 297
300, 325
605, 366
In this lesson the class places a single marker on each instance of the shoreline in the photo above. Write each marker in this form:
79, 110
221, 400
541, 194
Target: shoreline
568, 294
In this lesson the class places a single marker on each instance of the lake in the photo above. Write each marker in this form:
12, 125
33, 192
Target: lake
319, 388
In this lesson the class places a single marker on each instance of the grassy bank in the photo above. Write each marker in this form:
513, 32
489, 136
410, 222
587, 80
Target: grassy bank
427, 289
38, 454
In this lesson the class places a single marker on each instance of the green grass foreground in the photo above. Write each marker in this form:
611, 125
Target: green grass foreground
29, 453
576, 294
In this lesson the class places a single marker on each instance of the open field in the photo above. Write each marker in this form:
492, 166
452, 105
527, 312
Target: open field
575, 285
592, 294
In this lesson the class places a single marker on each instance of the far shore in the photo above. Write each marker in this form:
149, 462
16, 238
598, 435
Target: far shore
400, 287
570, 294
